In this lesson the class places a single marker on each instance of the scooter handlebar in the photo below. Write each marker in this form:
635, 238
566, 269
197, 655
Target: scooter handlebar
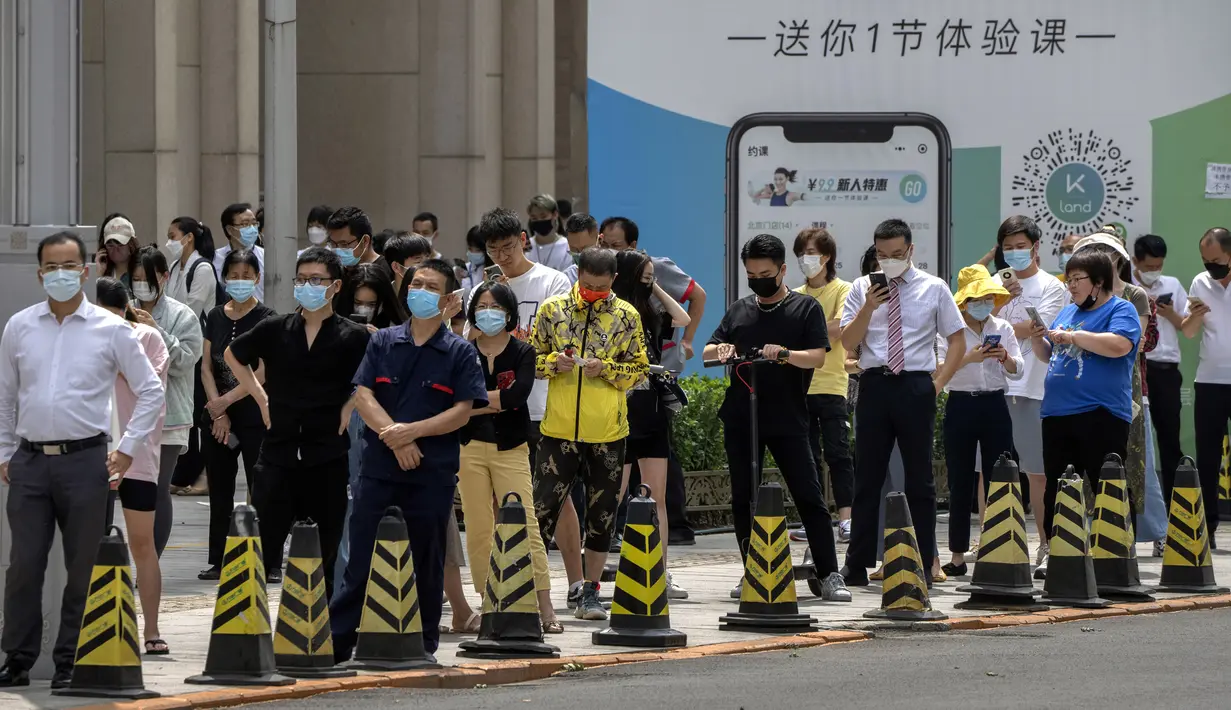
752, 356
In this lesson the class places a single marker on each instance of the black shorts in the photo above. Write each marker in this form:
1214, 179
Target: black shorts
655, 444
141, 496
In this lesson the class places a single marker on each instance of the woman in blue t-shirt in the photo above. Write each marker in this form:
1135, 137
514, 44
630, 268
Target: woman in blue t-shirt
1088, 395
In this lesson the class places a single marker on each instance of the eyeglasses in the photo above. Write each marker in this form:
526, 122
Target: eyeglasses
314, 280
1074, 280
344, 245
70, 266
245, 223
506, 250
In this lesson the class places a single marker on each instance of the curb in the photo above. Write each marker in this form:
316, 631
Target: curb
470, 675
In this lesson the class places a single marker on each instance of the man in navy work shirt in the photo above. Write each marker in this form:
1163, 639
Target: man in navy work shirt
310, 357
415, 387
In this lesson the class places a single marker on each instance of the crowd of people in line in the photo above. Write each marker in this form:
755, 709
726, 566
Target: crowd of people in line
543, 364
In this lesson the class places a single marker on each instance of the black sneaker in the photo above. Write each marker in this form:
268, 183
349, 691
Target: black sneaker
273, 576
683, 537
855, 576
62, 678
210, 574
589, 607
13, 675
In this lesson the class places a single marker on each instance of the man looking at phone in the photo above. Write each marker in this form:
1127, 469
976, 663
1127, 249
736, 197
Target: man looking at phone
581, 231
1162, 373
1209, 306
1033, 291
894, 322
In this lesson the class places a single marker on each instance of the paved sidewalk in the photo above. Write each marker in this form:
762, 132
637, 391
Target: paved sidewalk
707, 570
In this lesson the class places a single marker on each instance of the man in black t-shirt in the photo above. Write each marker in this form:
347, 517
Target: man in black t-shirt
776, 320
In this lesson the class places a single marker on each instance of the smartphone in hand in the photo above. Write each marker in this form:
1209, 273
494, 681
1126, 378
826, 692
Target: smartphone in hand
492, 272
878, 278
1035, 317
1164, 298
991, 341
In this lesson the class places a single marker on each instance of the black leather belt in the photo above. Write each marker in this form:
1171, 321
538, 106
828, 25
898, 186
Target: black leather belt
59, 448
980, 393
884, 370
1162, 365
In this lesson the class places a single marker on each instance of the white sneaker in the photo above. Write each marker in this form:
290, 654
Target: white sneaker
833, 588
1158, 548
1040, 557
675, 591
738, 589
844, 531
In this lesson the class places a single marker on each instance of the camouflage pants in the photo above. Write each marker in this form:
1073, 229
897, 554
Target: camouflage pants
558, 465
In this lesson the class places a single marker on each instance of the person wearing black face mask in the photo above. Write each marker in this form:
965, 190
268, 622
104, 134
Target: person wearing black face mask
776, 321
546, 246
1209, 304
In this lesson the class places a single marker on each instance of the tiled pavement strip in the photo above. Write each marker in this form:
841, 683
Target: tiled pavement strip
707, 570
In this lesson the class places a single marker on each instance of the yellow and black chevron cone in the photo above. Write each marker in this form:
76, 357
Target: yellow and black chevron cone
1001, 578
1070, 569
391, 628
904, 596
1187, 566
303, 644
241, 643
1224, 481
767, 599
1112, 544
511, 626
108, 663
639, 612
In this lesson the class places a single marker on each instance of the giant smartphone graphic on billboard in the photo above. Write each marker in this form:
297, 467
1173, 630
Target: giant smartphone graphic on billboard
1079, 114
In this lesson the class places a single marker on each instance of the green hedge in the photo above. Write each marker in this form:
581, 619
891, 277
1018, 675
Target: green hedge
697, 431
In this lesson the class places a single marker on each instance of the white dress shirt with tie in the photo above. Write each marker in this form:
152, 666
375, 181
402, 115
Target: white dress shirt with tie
989, 375
927, 310
56, 379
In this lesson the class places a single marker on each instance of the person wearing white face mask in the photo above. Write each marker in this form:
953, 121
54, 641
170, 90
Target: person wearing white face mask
829, 425
190, 250
318, 216
976, 413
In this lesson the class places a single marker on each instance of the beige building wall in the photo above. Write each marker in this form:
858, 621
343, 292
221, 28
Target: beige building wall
449, 106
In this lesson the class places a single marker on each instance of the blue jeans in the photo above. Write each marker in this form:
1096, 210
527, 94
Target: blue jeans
357, 445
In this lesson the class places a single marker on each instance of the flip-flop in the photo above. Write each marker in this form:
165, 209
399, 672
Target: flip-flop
472, 625
553, 627
156, 647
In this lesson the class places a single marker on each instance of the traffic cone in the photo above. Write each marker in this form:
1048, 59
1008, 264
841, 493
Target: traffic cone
1070, 570
1001, 578
904, 594
241, 644
108, 663
767, 599
1187, 566
391, 629
511, 626
1112, 544
1224, 481
639, 611
303, 644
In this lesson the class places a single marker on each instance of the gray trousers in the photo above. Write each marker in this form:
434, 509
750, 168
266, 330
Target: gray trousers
45, 491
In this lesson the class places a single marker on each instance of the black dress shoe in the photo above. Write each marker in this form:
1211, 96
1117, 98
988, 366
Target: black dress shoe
12, 675
62, 679
274, 576
857, 577
210, 574
954, 570
682, 538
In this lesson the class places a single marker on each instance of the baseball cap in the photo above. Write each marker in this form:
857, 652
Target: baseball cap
119, 229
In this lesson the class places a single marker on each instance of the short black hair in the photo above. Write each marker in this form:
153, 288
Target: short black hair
474, 239
626, 225
580, 222
64, 237
1096, 264
228, 215
321, 255
354, 219
319, 215
381, 238
202, 238
892, 229
426, 217
260, 219
151, 263
1220, 235
870, 262
764, 246
110, 293
240, 256
401, 248
441, 267
1150, 246
502, 295
500, 223
597, 261
1019, 224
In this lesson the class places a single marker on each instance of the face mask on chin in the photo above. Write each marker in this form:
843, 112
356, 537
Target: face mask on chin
1090, 300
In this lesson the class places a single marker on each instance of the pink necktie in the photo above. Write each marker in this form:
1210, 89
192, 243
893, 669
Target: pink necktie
897, 356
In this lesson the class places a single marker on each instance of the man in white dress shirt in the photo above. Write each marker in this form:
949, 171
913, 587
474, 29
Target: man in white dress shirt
895, 327
58, 365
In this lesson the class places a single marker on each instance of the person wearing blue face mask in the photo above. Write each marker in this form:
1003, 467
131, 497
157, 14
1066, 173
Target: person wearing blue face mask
1067, 245
308, 358
476, 261
350, 237
416, 386
243, 233
976, 413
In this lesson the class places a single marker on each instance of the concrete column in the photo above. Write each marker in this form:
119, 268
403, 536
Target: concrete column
571, 149
359, 107
188, 103
93, 113
139, 113
529, 105
230, 105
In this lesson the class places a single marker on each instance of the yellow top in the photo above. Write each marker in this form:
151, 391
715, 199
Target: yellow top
832, 378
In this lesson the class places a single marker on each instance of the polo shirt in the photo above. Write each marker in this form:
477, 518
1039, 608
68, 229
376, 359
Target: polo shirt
1214, 365
413, 383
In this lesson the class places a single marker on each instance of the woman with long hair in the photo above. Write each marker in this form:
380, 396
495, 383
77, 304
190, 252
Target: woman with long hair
778, 192
367, 297
192, 281
649, 442
117, 249
138, 488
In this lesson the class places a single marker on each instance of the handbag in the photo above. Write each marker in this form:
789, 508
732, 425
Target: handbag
1152, 523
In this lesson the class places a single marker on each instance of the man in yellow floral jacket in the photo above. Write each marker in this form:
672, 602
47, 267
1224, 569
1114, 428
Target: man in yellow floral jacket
591, 349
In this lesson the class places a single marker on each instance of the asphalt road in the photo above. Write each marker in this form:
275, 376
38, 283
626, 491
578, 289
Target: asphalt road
1123, 663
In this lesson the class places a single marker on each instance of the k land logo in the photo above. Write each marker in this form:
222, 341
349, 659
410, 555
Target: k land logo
1075, 193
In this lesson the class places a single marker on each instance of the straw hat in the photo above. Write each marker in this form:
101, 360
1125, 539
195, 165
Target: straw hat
977, 283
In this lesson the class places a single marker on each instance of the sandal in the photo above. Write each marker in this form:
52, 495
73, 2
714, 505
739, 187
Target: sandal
940, 576
878, 575
473, 624
553, 626
156, 647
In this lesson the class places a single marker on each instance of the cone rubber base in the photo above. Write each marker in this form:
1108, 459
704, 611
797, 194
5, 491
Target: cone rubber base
132, 694
990, 598
427, 662
1192, 589
318, 673
1079, 603
737, 621
1138, 593
236, 679
640, 638
804, 572
905, 615
495, 650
